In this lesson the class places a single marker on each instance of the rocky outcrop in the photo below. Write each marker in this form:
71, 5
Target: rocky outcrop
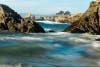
64, 18
7, 17
29, 26
68, 18
97, 39
74, 17
13, 22
89, 22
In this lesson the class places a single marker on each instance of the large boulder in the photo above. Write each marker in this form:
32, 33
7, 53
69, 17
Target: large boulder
89, 22
27, 25
13, 22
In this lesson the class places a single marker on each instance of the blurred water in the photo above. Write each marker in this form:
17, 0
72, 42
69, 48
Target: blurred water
55, 26
57, 49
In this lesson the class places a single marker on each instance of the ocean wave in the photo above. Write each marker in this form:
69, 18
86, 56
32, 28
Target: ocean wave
51, 22
27, 38
92, 37
76, 39
47, 29
53, 33
60, 33
30, 38
95, 44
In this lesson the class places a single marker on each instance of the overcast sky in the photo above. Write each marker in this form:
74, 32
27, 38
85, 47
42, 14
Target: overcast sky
47, 6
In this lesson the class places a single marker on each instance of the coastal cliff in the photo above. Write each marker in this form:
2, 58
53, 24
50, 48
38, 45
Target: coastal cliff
89, 22
13, 22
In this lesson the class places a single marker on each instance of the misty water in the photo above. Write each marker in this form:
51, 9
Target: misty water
58, 49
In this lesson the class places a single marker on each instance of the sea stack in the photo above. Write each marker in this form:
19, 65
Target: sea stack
11, 21
89, 22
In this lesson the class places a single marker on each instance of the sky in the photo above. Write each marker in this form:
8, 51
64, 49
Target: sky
47, 7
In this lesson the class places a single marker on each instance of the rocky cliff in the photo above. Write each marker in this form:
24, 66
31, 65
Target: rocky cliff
13, 22
89, 22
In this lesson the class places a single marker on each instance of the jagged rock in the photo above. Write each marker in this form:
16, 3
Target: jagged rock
89, 22
13, 22
30, 26
7, 15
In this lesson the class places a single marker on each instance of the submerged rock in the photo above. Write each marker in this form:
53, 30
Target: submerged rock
13, 22
50, 31
97, 39
89, 22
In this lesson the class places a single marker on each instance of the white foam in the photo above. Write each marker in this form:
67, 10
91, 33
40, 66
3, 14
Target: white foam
92, 37
30, 38
60, 33
20, 38
51, 22
7, 38
95, 44
98, 63
76, 39
47, 29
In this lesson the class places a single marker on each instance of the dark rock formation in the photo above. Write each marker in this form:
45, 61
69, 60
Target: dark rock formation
51, 31
29, 26
8, 17
89, 22
63, 13
13, 22
97, 39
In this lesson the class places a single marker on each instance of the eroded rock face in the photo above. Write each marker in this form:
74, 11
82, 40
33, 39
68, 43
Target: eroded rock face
13, 22
30, 26
7, 17
89, 21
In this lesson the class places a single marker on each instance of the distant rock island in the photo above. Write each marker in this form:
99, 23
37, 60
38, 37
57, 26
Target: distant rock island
13, 22
89, 22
